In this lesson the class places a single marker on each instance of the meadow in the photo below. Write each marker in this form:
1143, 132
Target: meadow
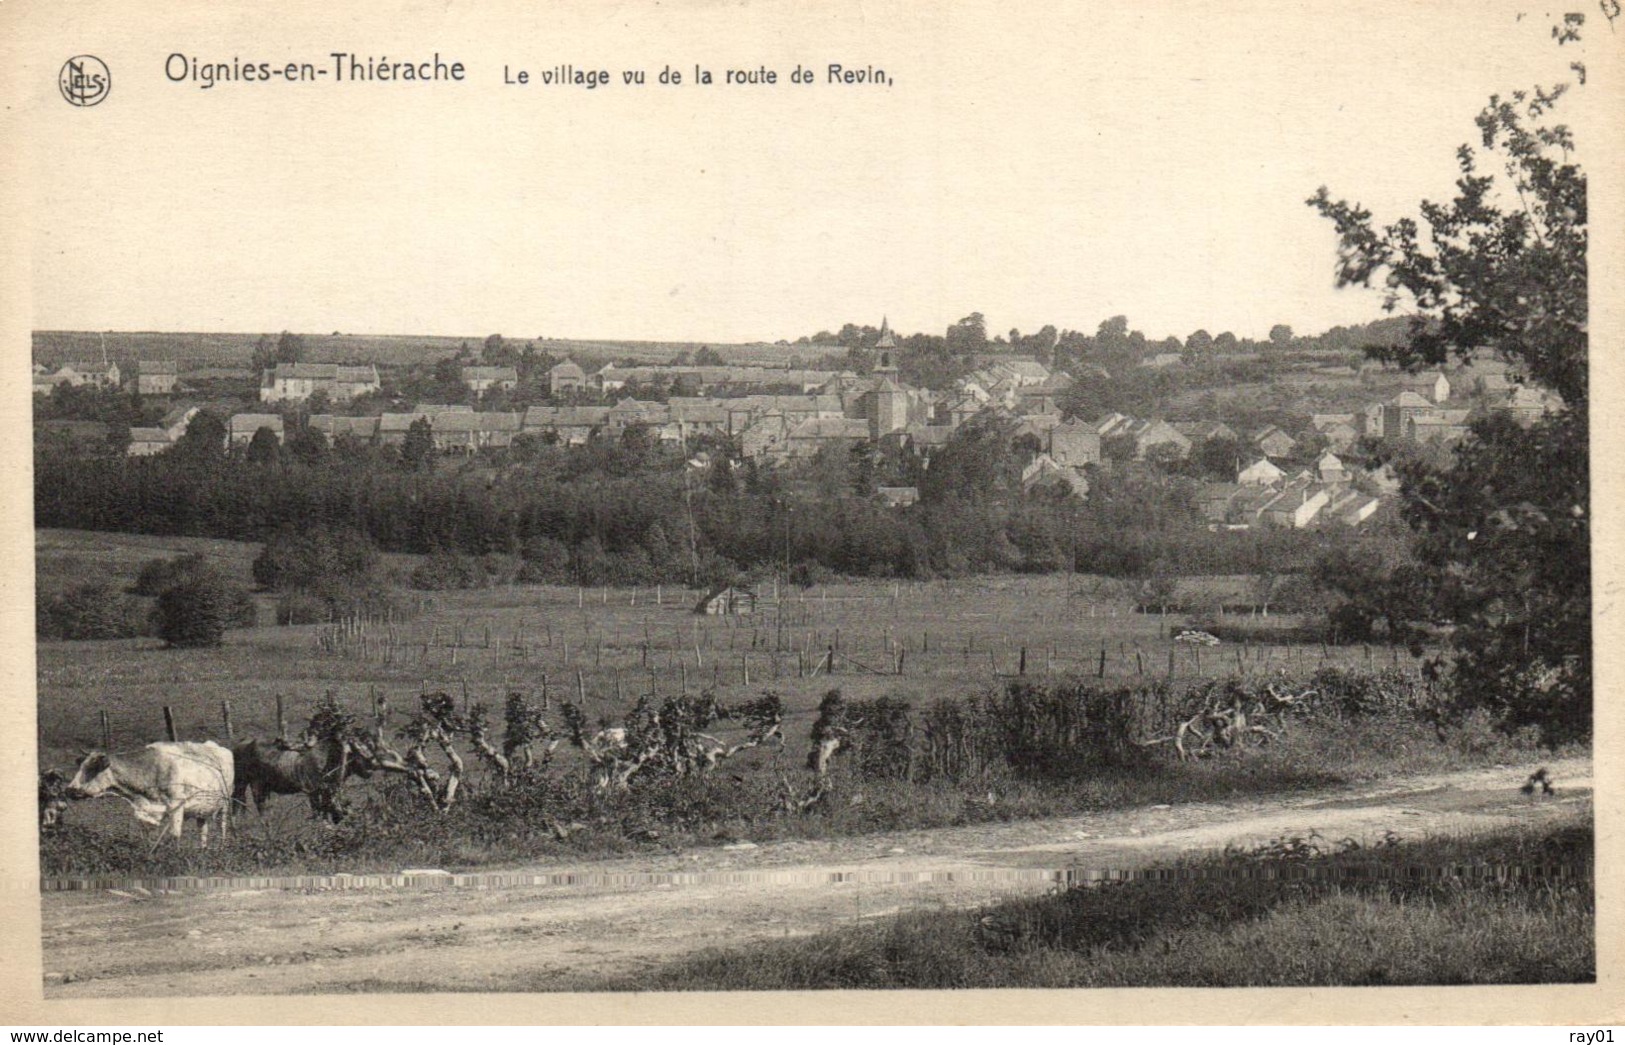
604, 649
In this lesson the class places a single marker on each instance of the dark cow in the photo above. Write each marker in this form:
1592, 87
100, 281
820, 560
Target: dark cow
316, 771
53, 799
166, 784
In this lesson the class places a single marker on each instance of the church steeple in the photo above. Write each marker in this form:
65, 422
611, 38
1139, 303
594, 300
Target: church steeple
885, 346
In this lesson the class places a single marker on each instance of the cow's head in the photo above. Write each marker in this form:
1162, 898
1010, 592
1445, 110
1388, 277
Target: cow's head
95, 775
53, 799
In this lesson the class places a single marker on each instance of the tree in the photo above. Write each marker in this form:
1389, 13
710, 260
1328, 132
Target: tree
1200, 343
204, 439
1281, 335
1504, 530
290, 348
967, 337
418, 449
264, 447
264, 357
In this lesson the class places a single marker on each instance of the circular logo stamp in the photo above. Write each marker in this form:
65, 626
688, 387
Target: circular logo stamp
84, 80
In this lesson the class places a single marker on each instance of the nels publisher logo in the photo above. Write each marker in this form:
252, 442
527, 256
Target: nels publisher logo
84, 80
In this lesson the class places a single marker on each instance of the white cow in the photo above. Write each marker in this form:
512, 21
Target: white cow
165, 784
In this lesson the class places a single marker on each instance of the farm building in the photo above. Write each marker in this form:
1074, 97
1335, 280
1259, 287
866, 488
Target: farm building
155, 377
1274, 442
1261, 472
244, 426
481, 379
898, 496
727, 600
299, 381
566, 377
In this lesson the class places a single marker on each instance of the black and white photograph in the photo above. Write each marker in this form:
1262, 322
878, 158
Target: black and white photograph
646, 499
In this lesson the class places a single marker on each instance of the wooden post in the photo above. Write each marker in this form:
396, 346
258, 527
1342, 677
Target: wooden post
617, 686
1021, 664
902, 654
107, 731
281, 721
1139, 662
225, 719
829, 660
169, 723
1101, 672
682, 677
744, 668
1170, 662
581, 688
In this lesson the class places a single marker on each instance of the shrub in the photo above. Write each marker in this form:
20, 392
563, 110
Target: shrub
158, 574
89, 611
448, 571
315, 559
197, 610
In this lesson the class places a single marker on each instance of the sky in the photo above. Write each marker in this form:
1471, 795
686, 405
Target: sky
1048, 164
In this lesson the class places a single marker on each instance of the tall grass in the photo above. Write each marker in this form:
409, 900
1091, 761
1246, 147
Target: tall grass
1512, 907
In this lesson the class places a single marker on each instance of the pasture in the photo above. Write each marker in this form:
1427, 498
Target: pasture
604, 649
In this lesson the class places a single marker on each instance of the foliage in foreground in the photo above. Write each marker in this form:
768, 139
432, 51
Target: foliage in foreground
1512, 907
896, 770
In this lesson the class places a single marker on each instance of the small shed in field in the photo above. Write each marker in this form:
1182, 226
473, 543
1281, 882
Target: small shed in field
728, 600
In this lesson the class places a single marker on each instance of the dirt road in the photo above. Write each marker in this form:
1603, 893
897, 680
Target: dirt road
614, 917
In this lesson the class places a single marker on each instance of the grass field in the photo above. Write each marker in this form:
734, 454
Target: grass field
607, 647
604, 649
1512, 907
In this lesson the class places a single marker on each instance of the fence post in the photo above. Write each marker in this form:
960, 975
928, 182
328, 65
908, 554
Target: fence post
225, 718
1101, 673
581, 688
169, 723
107, 731
1021, 664
281, 721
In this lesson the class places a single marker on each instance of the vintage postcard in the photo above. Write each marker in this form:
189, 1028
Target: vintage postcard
546, 512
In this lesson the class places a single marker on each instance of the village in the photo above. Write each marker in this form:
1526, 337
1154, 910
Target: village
779, 415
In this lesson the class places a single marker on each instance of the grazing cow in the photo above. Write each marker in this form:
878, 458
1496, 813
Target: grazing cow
53, 799
270, 768
165, 784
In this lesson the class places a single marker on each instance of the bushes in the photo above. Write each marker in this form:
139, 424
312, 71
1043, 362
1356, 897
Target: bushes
197, 609
316, 560
90, 611
449, 571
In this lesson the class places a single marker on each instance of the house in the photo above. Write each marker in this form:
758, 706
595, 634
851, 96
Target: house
570, 425
1444, 426
334, 427
815, 433
566, 378
1215, 500
101, 375
300, 381
176, 419
1330, 469
156, 377
472, 431
1149, 434
144, 442
1371, 421
1074, 445
1205, 431
1044, 471
764, 436
241, 428
1528, 405
1431, 385
1274, 442
1162, 360
482, 379
1044, 397
727, 600
1262, 472
1295, 507
1338, 429
898, 496
1113, 424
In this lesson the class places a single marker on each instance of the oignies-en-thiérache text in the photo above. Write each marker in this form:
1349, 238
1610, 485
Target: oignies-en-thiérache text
338, 67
